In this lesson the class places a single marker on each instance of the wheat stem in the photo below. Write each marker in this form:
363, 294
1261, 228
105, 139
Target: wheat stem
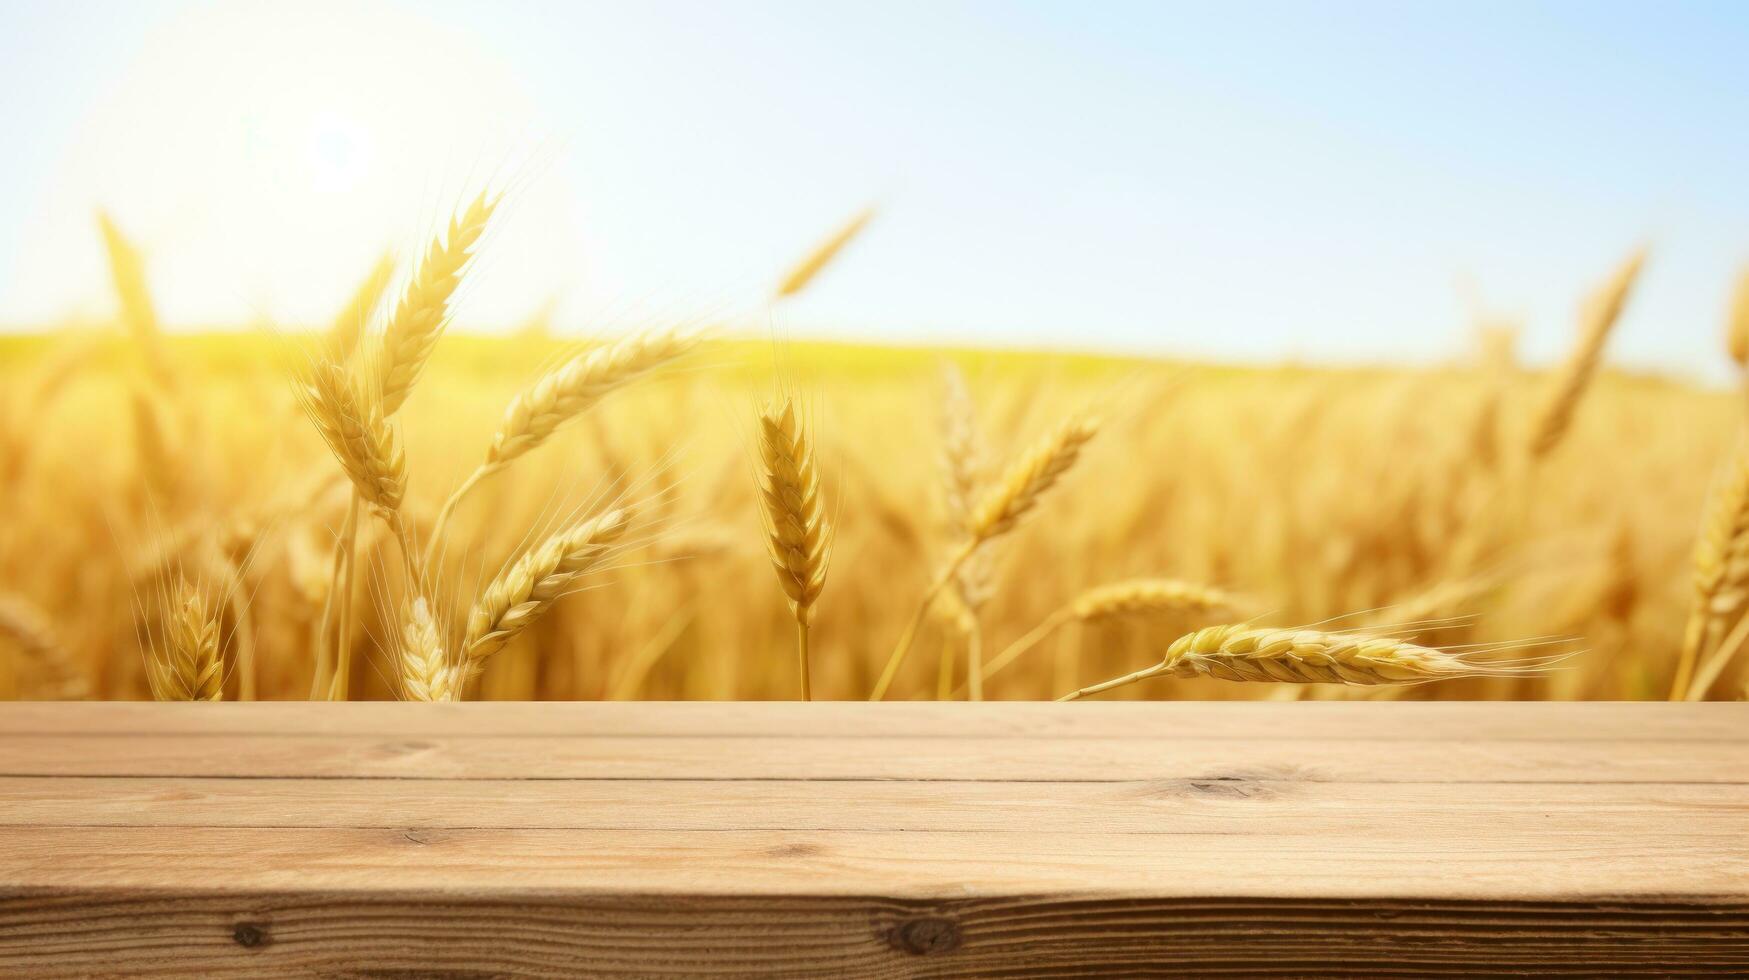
338, 687
1028, 640
903, 647
449, 506
974, 662
1116, 682
1714, 665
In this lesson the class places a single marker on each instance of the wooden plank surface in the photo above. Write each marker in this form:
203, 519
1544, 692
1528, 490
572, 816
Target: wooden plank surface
873, 840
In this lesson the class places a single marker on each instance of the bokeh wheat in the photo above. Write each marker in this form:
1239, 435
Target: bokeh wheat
375, 509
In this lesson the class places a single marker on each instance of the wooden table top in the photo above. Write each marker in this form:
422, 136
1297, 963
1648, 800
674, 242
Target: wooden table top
873, 840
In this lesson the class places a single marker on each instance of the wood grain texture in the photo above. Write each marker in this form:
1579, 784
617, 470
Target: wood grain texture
856, 840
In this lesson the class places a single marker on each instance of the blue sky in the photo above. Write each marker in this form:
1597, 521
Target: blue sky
1239, 180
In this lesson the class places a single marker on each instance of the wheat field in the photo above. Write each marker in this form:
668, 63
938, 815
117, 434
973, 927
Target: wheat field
384, 507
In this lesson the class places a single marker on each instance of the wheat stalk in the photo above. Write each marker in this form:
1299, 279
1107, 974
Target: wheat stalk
188, 666
528, 587
1720, 587
798, 535
155, 454
1737, 326
424, 308
1243, 653
127, 272
349, 324
1598, 317
997, 513
804, 271
1133, 597
1151, 596
962, 465
28, 629
355, 429
561, 395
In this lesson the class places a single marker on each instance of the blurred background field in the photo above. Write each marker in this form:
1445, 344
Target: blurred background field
1315, 492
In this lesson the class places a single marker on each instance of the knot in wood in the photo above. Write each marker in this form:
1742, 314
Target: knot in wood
250, 935
926, 935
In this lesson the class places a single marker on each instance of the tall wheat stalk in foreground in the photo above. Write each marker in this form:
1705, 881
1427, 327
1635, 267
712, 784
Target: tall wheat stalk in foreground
187, 665
528, 587
560, 396
1243, 653
1598, 317
997, 513
804, 271
798, 536
1721, 574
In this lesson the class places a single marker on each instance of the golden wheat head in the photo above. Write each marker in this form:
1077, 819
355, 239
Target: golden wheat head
524, 590
575, 386
364, 443
798, 533
1737, 326
426, 674
1600, 313
1030, 478
804, 271
423, 310
1151, 596
187, 666
1303, 656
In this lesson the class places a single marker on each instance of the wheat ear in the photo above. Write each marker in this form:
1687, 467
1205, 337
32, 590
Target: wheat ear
348, 326
798, 536
962, 468
127, 271
1737, 326
1242, 653
423, 310
1598, 317
1134, 597
804, 271
361, 439
1720, 587
188, 666
426, 674
528, 587
560, 396
1000, 509
28, 629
